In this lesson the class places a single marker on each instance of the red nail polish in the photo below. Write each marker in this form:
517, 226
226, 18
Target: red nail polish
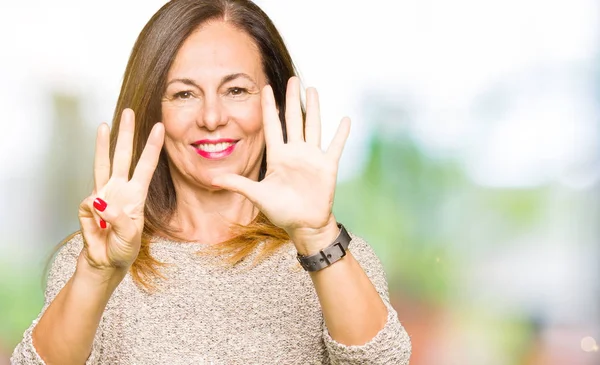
102, 224
100, 204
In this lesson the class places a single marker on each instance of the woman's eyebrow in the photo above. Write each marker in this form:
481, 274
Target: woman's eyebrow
224, 79
186, 81
234, 76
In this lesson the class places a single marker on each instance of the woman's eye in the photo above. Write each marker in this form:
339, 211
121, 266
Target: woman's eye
183, 95
237, 91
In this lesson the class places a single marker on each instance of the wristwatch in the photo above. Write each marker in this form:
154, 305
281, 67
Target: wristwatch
329, 254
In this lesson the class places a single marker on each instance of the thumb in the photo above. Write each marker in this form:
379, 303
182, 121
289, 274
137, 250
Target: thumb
238, 184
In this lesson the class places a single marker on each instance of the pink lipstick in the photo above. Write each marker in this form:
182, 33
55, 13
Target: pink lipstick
214, 149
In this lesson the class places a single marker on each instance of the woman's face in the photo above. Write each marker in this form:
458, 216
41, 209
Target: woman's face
211, 109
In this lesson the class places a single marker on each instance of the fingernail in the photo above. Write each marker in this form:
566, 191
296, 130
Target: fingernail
100, 204
102, 224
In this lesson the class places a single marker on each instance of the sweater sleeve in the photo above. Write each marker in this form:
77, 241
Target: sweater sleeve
392, 344
61, 270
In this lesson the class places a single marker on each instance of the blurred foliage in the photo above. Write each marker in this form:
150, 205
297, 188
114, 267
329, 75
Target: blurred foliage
397, 204
421, 214
64, 179
21, 298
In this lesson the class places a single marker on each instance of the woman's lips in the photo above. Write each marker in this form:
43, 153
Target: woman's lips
215, 149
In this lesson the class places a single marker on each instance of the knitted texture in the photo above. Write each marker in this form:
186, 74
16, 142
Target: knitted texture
206, 313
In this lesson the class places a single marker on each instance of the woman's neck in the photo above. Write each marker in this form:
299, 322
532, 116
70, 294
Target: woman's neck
206, 215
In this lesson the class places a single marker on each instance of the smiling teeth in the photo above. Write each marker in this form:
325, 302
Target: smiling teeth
214, 147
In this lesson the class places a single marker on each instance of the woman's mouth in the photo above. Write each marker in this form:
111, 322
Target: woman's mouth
215, 149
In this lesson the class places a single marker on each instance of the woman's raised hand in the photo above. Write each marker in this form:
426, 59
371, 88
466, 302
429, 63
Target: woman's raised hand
298, 189
112, 217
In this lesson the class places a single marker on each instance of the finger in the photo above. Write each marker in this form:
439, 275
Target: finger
339, 140
293, 111
87, 211
149, 159
239, 184
272, 125
313, 117
102, 159
113, 216
124, 148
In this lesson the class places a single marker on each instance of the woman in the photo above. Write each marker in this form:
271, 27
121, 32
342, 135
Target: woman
203, 201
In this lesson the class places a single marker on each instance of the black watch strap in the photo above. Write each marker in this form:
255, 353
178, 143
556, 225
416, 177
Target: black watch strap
329, 254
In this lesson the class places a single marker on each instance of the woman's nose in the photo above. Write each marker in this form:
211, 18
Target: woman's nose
213, 114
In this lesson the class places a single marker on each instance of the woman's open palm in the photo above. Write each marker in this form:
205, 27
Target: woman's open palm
112, 217
298, 189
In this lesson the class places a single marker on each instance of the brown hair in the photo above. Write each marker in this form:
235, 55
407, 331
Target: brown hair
143, 88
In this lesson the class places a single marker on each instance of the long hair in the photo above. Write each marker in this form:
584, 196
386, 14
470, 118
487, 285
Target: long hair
142, 90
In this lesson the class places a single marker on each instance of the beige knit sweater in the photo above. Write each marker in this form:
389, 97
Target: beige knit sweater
208, 314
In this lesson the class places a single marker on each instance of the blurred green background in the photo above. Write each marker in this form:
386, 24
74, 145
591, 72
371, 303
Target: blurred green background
472, 167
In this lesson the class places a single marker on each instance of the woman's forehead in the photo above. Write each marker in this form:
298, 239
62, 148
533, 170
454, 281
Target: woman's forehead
217, 49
